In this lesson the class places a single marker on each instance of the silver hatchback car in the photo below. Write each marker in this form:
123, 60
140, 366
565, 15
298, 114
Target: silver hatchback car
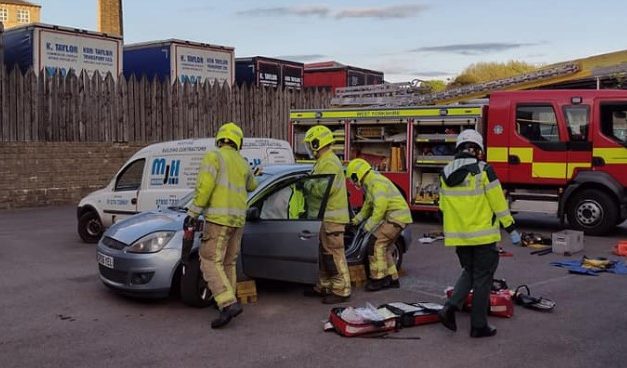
141, 256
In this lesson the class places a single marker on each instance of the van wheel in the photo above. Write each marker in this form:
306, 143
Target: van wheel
592, 212
90, 228
194, 290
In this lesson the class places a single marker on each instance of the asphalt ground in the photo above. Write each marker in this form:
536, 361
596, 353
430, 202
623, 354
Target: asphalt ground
56, 313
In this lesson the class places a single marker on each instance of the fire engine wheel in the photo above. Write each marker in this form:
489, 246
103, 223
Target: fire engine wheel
193, 288
89, 227
593, 212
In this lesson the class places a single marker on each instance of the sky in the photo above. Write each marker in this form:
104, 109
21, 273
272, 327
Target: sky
424, 39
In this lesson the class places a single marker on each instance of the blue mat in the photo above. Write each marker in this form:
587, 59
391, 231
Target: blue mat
575, 266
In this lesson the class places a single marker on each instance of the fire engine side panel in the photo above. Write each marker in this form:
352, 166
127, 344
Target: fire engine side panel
497, 131
608, 154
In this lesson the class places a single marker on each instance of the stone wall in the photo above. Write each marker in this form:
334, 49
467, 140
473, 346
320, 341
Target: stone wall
34, 174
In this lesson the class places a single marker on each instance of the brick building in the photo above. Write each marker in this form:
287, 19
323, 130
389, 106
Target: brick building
110, 17
17, 13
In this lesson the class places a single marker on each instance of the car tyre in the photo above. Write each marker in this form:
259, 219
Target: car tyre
193, 286
593, 212
90, 227
397, 253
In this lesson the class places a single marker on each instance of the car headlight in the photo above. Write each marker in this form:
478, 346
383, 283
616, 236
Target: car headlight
151, 243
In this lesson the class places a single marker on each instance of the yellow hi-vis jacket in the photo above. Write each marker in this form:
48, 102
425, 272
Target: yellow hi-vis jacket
337, 205
224, 180
473, 203
383, 201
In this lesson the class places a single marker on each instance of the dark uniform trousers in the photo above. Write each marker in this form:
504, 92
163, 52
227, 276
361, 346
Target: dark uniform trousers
479, 263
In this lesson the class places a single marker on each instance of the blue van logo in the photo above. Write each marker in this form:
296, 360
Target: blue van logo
163, 174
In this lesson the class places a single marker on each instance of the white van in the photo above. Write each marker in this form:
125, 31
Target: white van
159, 175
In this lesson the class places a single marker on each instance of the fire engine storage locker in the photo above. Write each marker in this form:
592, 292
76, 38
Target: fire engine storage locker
333, 75
301, 121
52, 49
263, 71
435, 131
188, 61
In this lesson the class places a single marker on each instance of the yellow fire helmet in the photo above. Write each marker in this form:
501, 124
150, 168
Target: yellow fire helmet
231, 132
318, 137
357, 170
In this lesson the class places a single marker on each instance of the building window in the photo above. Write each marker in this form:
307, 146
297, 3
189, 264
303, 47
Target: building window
23, 16
4, 15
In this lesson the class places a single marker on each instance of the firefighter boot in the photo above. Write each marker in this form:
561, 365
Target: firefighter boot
315, 292
376, 285
486, 331
229, 312
394, 284
447, 317
335, 299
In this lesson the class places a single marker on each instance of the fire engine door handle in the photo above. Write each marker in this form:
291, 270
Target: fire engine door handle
598, 161
513, 159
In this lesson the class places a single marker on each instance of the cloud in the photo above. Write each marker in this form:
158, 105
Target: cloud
473, 48
388, 12
302, 58
301, 11
323, 11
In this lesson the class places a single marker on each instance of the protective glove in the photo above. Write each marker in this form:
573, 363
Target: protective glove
515, 237
258, 171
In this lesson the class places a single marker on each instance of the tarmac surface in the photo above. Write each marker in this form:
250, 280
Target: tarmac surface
56, 312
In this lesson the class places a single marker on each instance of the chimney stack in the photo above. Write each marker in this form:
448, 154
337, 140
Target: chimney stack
110, 17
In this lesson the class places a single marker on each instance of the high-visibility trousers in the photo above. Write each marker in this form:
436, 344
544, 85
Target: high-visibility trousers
218, 258
334, 275
381, 254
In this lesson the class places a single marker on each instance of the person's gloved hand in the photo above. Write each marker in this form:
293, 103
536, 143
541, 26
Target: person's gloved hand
258, 171
355, 221
515, 237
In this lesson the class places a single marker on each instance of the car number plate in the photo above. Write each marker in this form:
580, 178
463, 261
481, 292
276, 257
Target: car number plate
105, 260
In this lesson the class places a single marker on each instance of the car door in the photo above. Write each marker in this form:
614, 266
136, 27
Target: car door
280, 241
122, 201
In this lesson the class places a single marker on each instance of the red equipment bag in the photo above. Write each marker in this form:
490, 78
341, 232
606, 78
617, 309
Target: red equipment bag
501, 304
350, 329
415, 314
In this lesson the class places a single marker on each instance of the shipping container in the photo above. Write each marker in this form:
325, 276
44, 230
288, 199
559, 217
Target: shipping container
331, 75
264, 71
188, 61
52, 49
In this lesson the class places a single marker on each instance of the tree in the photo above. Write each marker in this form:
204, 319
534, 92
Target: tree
435, 85
489, 71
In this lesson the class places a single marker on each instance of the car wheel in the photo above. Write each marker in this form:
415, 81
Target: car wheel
397, 254
593, 212
194, 290
90, 228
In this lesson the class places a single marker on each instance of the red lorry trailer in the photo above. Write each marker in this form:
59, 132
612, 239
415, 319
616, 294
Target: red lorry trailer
555, 151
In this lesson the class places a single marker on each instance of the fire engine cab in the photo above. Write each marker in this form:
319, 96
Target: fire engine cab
554, 151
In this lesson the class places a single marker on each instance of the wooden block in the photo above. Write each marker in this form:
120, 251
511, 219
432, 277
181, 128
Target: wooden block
246, 292
358, 275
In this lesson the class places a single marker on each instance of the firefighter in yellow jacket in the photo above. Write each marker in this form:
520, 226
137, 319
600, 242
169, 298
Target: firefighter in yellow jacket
386, 214
474, 209
222, 187
334, 281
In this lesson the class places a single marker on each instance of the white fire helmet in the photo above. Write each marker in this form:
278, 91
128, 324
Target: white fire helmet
469, 136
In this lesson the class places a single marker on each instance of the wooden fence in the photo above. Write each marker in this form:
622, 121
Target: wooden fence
82, 109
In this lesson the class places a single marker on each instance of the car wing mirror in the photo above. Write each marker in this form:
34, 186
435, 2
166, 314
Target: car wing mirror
253, 214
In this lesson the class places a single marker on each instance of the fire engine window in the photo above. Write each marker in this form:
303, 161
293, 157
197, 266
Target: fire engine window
578, 122
614, 121
537, 123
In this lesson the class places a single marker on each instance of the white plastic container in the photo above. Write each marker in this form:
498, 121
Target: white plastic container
567, 241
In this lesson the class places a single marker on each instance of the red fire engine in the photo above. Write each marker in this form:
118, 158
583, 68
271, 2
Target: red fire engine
555, 151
